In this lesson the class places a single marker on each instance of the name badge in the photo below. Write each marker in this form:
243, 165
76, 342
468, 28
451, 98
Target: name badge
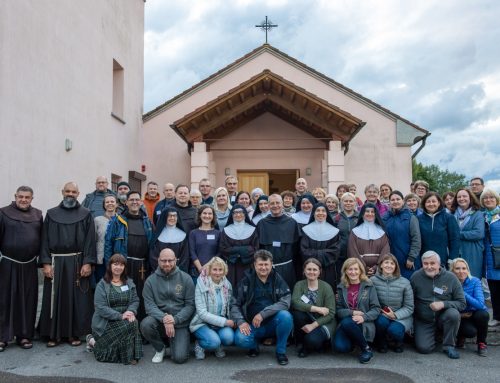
276, 244
438, 290
210, 237
304, 299
124, 288
158, 212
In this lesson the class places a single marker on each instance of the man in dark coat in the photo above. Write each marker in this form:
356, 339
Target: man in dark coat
94, 201
67, 254
279, 234
20, 233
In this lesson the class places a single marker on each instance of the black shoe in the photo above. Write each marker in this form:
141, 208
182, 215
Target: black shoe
302, 353
253, 352
365, 355
282, 359
383, 349
398, 349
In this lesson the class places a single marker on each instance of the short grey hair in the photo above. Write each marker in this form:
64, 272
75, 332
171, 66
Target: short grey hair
430, 254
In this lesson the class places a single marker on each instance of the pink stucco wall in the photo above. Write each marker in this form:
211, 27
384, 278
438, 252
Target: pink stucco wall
56, 76
373, 156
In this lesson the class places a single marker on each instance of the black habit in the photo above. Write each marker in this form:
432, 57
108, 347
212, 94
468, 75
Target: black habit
280, 236
67, 313
20, 235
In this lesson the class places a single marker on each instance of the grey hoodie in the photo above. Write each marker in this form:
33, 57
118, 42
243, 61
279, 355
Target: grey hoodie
172, 294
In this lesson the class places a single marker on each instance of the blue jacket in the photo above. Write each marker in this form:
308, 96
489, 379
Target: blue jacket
472, 243
474, 296
441, 234
116, 239
494, 227
403, 231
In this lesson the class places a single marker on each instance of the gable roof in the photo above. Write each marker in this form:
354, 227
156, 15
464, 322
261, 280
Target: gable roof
276, 52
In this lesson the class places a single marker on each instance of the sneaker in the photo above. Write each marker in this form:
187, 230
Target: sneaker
158, 358
365, 355
199, 353
451, 352
253, 352
219, 352
282, 359
482, 349
493, 323
88, 339
460, 342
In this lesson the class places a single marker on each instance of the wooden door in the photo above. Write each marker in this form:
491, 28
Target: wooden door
250, 180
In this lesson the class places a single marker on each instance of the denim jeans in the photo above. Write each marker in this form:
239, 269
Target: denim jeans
210, 339
280, 325
388, 329
348, 333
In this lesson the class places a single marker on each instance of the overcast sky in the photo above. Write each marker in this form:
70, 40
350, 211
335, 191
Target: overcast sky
436, 63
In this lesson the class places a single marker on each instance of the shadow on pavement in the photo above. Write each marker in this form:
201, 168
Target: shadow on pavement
7, 377
337, 375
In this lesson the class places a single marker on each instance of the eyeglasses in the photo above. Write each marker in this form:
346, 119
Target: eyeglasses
167, 260
475, 184
238, 211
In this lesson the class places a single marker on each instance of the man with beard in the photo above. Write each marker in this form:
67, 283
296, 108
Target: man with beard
184, 208
93, 201
68, 252
439, 298
20, 234
169, 193
279, 234
129, 234
122, 189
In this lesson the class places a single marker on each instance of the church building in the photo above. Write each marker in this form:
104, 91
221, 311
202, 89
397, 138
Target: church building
269, 119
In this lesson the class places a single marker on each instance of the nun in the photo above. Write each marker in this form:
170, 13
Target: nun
169, 234
238, 243
368, 240
321, 240
303, 210
261, 209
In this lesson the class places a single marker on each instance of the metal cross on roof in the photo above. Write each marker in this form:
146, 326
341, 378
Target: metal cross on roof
266, 25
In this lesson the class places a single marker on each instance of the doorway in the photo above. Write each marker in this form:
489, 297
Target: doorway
270, 181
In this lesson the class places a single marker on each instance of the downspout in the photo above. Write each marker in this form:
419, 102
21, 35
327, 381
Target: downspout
421, 146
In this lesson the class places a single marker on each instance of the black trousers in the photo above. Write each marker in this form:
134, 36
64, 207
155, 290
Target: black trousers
494, 286
312, 341
476, 325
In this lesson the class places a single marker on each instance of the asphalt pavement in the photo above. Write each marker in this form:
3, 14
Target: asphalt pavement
73, 364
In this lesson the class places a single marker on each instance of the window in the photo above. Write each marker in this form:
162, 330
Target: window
118, 89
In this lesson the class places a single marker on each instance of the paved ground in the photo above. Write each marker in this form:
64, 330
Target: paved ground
42, 364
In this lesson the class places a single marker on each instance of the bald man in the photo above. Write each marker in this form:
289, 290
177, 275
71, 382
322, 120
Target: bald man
94, 201
67, 254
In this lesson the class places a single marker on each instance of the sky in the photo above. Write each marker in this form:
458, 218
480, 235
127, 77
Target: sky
435, 63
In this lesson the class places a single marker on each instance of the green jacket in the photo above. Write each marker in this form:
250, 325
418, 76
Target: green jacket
326, 298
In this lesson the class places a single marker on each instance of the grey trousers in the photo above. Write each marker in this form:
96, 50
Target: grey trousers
154, 331
447, 320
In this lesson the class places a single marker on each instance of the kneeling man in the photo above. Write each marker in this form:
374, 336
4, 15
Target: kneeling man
439, 298
260, 308
169, 302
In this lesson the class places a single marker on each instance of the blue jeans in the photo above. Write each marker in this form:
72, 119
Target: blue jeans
388, 329
212, 339
348, 332
280, 325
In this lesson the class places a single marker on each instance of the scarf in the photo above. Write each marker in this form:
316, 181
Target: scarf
492, 215
239, 230
212, 288
463, 216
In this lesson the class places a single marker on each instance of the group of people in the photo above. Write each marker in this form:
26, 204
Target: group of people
238, 267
